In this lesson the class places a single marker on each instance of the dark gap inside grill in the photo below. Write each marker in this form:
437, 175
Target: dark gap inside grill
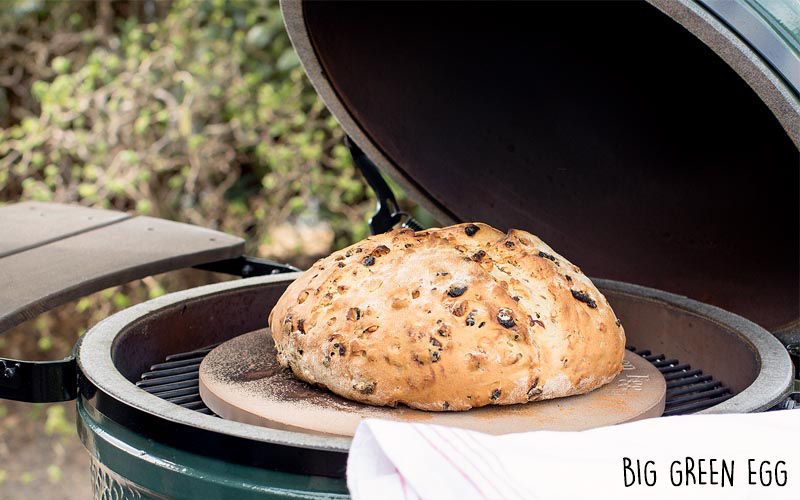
688, 390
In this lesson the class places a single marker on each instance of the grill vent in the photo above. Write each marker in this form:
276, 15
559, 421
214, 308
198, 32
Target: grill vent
688, 390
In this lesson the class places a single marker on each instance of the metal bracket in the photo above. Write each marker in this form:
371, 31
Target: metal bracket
388, 213
247, 267
39, 381
54, 381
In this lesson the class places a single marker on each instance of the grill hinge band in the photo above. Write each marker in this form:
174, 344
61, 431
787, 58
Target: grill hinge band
39, 381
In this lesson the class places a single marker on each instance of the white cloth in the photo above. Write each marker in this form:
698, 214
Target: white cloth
409, 461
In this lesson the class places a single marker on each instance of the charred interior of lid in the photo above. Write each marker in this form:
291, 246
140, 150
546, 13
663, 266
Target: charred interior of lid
646, 162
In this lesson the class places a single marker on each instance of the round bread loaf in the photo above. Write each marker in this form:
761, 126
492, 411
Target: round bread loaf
448, 319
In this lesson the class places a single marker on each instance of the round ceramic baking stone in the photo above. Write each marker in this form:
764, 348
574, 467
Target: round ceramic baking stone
241, 380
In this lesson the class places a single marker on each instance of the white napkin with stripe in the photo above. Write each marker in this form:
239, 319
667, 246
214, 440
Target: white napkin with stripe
395, 460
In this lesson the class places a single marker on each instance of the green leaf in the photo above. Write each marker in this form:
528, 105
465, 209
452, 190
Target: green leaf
121, 300
54, 473
45, 343
156, 291
287, 61
60, 64
144, 207
83, 304
129, 157
37, 159
258, 37
39, 89
87, 190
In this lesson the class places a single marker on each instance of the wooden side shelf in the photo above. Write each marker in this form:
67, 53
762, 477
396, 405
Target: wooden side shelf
52, 253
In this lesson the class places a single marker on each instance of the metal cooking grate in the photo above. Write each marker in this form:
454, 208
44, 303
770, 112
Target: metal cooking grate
176, 379
688, 390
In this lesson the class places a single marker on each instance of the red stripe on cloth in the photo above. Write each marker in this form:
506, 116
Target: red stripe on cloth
481, 447
456, 467
402, 483
475, 466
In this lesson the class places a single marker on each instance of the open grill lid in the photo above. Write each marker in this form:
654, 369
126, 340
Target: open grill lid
650, 148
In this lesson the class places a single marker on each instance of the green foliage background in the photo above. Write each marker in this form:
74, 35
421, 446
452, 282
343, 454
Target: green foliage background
190, 110
202, 115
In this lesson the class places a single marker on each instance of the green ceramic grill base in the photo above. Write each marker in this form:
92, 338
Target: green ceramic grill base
127, 466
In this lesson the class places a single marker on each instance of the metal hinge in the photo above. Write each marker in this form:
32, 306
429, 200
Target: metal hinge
388, 213
54, 381
247, 267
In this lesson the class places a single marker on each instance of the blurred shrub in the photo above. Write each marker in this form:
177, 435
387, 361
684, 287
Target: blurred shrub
191, 110
204, 116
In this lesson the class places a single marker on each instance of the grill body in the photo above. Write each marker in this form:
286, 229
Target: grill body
634, 126
126, 465
143, 446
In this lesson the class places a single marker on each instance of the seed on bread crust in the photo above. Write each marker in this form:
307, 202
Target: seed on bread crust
456, 291
460, 309
584, 297
471, 230
546, 256
505, 318
353, 314
380, 250
365, 387
470, 321
478, 256
534, 391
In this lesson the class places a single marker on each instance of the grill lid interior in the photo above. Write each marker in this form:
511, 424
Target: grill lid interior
607, 129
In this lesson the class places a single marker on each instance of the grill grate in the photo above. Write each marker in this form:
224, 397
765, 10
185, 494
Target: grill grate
176, 379
688, 390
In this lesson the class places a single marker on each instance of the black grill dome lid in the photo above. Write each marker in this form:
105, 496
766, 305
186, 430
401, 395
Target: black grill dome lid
647, 142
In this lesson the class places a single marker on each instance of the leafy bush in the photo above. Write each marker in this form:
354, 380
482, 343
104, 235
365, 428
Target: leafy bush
204, 116
190, 110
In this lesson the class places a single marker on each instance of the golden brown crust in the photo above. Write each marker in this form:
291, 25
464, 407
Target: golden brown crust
448, 319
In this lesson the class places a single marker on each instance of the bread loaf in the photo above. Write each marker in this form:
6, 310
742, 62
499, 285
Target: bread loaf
448, 319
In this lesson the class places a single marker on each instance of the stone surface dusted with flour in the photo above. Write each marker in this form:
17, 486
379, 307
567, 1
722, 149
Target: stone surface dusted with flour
448, 319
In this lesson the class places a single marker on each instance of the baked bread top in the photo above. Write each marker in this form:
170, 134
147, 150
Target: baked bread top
448, 319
